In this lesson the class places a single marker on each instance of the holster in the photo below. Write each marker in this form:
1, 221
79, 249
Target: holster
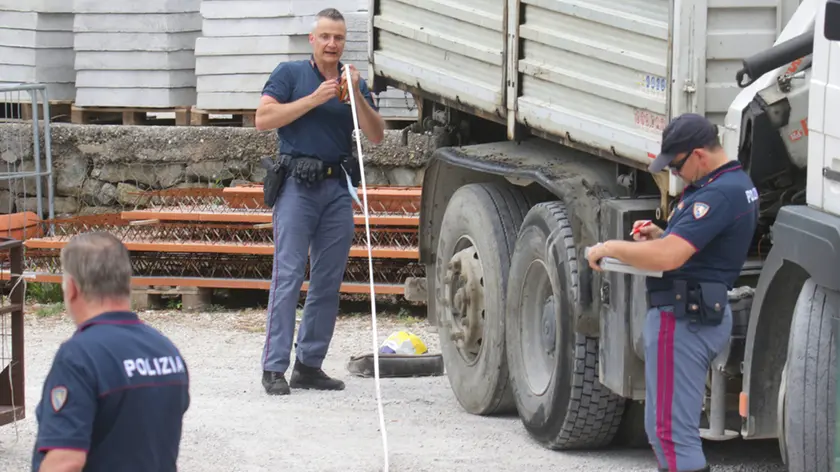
353, 168
275, 177
700, 302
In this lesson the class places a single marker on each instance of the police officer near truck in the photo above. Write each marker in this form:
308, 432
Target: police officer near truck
701, 253
308, 187
118, 389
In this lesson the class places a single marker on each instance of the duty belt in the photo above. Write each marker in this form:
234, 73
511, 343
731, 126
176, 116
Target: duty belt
328, 171
704, 302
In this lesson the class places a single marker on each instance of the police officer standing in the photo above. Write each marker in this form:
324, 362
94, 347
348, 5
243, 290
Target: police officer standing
312, 209
118, 389
701, 251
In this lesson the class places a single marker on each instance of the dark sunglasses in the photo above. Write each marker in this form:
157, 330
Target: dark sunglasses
677, 166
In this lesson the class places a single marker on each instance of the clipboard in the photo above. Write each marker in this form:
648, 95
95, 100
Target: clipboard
610, 264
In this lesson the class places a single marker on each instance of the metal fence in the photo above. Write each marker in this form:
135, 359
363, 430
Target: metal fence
12, 292
26, 183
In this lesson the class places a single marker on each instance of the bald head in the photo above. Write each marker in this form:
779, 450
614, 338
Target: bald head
99, 265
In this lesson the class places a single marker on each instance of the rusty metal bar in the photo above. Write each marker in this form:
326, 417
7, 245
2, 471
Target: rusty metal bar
186, 215
221, 266
221, 248
202, 282
12, 381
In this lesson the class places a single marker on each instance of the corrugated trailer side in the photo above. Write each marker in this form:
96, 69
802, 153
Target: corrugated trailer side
594, 72
599, 74
453, 50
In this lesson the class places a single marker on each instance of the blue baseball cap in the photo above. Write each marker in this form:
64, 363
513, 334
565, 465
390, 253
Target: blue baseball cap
684, 133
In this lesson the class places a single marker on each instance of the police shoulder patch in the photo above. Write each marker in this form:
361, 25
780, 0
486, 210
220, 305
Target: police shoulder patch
700, 209
58, 397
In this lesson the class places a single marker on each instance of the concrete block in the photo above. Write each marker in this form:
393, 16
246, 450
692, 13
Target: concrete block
228, 101
19, 20
43, 6
245, 64
55, 91
256, 45
275, 8
134, 60
36, 39
132, 23
144, 6
196, 300
47, 58
135, 79
290, 25
150, 42
135, 97
27, 73
232, 82
415, 289
140, 301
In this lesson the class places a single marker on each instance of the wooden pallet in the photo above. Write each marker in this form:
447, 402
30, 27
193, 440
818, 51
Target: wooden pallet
239, 118
127, 116
59, 110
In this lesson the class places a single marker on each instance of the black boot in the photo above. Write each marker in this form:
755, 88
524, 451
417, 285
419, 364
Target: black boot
275, 383
311, 378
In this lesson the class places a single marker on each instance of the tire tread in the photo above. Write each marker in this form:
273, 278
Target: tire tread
594, 413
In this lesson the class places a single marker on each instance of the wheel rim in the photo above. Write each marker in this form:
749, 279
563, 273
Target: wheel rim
464, 298
538, 331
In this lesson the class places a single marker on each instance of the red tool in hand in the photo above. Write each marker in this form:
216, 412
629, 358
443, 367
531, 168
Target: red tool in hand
638, 229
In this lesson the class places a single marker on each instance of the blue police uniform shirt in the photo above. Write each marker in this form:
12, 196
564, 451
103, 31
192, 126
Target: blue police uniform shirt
718, 216
325, 132
118, 390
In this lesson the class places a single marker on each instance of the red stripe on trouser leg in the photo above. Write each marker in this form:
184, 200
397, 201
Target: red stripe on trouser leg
665, 387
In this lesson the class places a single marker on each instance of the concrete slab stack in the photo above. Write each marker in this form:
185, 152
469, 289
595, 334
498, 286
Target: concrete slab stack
36, 45
244, 40
136, 54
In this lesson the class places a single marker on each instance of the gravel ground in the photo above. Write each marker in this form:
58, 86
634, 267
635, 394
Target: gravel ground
233, 426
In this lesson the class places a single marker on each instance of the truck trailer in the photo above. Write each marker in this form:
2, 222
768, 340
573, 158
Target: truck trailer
548, 113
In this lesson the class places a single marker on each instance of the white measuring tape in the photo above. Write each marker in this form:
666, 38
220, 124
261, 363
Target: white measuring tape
370, 263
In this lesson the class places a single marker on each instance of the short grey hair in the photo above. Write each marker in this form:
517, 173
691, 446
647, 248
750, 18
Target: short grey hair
100, 265
329, 13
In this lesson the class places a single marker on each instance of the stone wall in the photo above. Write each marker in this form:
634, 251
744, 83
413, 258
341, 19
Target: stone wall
98, 167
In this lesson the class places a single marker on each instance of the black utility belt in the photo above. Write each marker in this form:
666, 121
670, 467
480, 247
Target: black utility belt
701, 302
328, 171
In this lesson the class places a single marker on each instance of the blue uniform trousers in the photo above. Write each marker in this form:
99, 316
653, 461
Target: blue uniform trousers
677, 359
317, 219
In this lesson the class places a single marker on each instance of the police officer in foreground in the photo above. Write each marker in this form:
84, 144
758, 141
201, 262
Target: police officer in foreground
702, 252
118, 389
308, 189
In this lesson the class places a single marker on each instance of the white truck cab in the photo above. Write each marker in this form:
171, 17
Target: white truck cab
823, 187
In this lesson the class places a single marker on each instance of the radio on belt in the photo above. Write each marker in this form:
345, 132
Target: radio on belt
610, 264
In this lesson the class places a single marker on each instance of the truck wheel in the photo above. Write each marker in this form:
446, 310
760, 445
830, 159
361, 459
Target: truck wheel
473, 258
554, 370
809, 390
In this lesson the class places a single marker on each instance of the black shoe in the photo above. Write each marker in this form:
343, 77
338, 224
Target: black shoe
311, 378
275, 383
